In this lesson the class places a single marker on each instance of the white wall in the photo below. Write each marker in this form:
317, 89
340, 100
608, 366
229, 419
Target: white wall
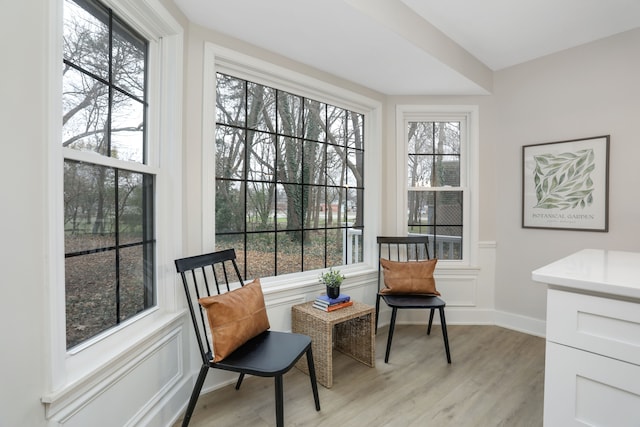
587, 91
23, 294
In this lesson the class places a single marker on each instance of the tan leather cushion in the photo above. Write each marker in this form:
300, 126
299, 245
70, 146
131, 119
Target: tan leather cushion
411, 277
235, 317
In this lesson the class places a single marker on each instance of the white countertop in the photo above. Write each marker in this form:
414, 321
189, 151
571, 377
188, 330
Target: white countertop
595, 270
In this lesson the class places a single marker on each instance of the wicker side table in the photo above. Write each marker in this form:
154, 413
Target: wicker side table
350, 330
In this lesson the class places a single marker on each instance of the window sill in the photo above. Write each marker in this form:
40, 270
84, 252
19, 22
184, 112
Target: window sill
308, 281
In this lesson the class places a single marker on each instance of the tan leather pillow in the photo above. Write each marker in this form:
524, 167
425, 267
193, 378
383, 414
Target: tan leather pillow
235, 317
411, 277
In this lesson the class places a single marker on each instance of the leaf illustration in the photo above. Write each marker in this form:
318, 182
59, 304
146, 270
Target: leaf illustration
563, 181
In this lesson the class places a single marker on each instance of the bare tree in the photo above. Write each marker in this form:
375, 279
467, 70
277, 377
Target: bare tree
98, 103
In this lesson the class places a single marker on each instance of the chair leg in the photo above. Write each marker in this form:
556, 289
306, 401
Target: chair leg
377, 310
430, 321
312, 377
239, 382
195, 394
392, 325
444, 334
279, 401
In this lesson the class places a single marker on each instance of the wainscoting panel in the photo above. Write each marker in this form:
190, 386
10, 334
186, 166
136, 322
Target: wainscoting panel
136, 391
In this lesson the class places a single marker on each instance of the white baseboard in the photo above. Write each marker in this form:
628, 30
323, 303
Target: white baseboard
469, 316
520, 323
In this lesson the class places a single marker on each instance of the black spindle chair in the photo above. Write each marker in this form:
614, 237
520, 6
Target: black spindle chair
403, 249
270, 354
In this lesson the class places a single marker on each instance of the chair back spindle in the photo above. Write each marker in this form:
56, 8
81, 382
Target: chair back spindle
202, 276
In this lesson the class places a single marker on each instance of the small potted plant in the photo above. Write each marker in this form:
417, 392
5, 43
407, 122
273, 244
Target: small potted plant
332, 279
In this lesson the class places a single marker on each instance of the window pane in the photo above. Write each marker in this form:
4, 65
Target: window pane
359, 170
333, 208
336, 127
289, 256
229, 152
230, 100
336, 247
447, 243
230, 215
90, 291
261, 199
420, 209
420, 171
314, 250
86, 37
352, 168
260, 255
290, 114
315, 119
313, 167
447, 137
127, 129
85, 107
355, 131
129, 51
132, 281
355, 204
262, 156
133, 208
289, 206
420, 137
447, 171
289, 160
335, 165
355, 251
89, 207
315, 212
262, 107
449, 208
235, 242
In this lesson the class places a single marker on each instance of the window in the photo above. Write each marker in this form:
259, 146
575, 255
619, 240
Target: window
434, 195
289, 179
437, 146
108, 185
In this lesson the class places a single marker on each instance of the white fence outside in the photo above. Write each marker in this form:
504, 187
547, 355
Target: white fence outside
446, 246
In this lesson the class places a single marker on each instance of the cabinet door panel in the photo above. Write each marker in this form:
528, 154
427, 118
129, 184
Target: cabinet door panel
600, 325
584, 389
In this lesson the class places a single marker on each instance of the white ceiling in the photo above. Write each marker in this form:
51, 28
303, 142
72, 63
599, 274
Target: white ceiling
415, 46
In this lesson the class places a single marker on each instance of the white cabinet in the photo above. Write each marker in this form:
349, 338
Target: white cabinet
592, 367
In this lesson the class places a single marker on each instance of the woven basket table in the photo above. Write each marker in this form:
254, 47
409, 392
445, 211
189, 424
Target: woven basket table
349, 330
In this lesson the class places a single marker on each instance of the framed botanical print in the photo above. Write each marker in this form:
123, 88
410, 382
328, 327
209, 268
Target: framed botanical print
565, 185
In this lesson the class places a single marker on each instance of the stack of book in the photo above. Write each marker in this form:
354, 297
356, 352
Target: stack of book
324, 303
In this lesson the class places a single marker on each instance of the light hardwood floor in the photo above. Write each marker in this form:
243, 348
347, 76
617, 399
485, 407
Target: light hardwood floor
496, 379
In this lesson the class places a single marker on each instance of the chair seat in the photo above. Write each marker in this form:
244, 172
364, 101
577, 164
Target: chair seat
413, 301
269, 354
